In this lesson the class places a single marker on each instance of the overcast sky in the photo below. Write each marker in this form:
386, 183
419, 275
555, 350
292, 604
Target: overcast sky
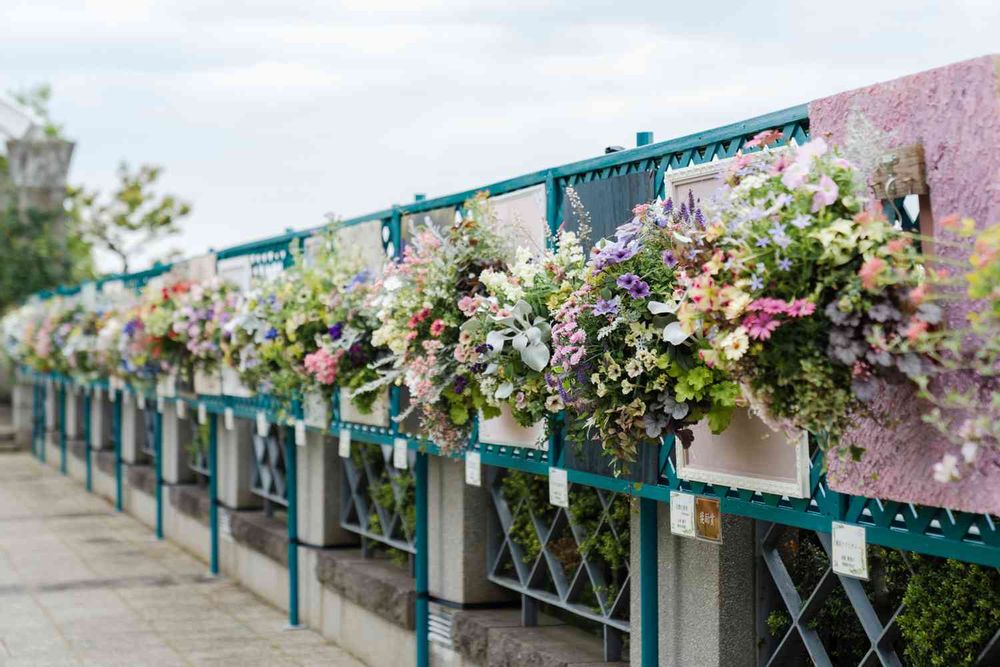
267, 114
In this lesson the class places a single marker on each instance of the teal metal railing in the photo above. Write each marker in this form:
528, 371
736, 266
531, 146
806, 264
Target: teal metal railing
928, 530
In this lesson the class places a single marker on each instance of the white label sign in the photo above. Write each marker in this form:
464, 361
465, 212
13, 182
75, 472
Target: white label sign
344, 448
225, 525
473, 469
300, 433
399, 454
160, 403
182, 409
140, 401
229, 419
682, 514
202, 414
558, 487
850, 552
262, 425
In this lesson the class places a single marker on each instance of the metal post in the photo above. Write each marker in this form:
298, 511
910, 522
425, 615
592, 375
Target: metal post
61, 398
158, 467
213, 491
422, 558
42, 421
291, 487
116, 433
86, 441
649, 583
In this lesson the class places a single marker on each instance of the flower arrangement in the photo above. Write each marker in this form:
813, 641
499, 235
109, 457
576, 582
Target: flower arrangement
308, 329
199, 321
421, 320
509, 329
804, 297
623, 366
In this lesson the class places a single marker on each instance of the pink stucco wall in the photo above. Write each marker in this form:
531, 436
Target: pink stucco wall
954, 112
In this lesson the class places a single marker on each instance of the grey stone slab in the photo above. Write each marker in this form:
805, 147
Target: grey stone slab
143, 478
192, 501
265, 535
377, 585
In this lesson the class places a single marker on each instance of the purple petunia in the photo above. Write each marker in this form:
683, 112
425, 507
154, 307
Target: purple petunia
639, 290
627, 280
336, 331
607, 306
460, 382
756, 283
271, 334
669, 258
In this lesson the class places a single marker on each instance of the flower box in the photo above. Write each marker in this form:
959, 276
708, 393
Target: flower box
748, 455
232, 385
590, 457
207, 383
316, 409
504, 430
379, 416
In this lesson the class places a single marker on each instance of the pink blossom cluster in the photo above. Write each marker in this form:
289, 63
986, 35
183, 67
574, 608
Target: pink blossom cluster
567, 336
323, 365
763, 320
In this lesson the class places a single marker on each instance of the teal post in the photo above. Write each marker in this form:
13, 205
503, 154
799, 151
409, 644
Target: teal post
213, 492
86, 441
291, 487
649, 613
61, 398
43, 421
158, 467
116, 432
422, 558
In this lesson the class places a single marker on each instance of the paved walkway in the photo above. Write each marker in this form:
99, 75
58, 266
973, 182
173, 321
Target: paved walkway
83, 585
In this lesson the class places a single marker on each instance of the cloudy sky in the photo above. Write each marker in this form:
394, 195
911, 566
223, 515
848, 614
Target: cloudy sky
267, 114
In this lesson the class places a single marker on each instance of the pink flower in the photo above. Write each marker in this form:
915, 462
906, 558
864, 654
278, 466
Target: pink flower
897, 245
437, 327
825, 193
916, 329
765, 138
918, 294
468, 306
794, 175
800, 308
323, 365
760, 326
870, 271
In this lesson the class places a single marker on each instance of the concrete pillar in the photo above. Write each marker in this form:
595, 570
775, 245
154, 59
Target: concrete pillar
74, 418
706, 596
132, 430
457, 536
51, 423
22, 396
235, 459
100, 425
319, 493
175, 437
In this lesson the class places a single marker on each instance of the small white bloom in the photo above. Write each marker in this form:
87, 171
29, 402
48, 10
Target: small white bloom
674, 333
947, 470
969, 452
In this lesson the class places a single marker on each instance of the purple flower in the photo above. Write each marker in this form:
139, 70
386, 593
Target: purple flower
336, 331
699, 217
607, 306
784, 264
801, 221
483, 348
357, 354
669, 258
460, 383
615, 253
762, 242
271, 334
627, 280
640, 290
756, 283
668, 206
358, 279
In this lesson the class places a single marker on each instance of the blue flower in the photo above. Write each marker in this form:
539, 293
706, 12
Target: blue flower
756, 283
762, 242
801, 221
271, 334
784, 264
336, 331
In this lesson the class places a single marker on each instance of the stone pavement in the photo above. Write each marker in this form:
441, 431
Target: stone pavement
83, 585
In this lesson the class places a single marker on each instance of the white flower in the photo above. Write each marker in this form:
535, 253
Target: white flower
392, 283
969, 452
674, 333
947, 470
660, 307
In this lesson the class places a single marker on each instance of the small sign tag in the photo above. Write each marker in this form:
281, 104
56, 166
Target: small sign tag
202, 414
229, 419
225, 525
344, 448
160, 404
140, 401
708, 519
558, 487
473, 469
182, 409
112, 392
262, 425
300, 433
850, 552
399, 455
682, 514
